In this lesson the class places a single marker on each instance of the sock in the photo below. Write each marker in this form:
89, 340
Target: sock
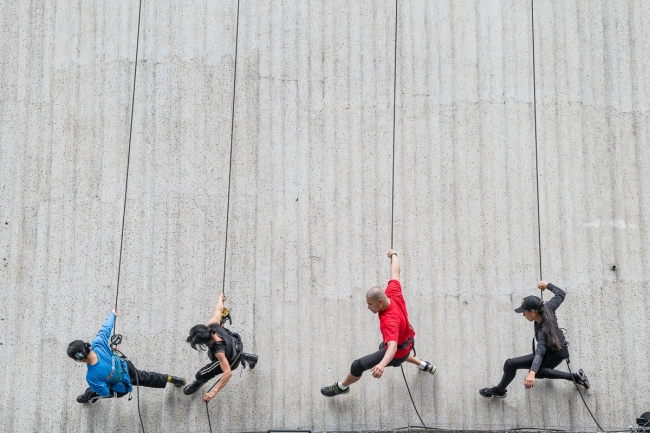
169, 379
342, 387
423, 365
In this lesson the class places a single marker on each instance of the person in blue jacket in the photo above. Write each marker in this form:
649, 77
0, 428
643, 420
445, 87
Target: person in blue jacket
551, 349
108, 375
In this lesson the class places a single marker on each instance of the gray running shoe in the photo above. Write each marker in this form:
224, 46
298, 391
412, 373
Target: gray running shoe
331, 391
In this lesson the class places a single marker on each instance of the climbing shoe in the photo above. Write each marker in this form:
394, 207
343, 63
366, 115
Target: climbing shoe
581, 378
331, 391
176, 381
430, 368
492, 392
249, 359
193, 387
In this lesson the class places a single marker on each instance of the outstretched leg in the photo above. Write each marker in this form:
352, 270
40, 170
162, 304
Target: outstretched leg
510, 368
356, 370
150, 379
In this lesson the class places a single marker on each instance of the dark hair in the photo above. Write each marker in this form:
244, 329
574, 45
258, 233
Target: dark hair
200, 336
549, 327
78, 350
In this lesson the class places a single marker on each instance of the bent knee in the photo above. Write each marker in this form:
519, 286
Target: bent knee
508, 365
356, 369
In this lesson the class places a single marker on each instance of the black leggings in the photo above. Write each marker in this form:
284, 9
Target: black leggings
546, 370
213, 369
369, 361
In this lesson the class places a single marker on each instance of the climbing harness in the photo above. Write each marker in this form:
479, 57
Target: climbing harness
116, 340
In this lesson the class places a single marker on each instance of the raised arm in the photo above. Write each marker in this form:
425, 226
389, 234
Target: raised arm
556, 300
394, 265
105, 332
218, 309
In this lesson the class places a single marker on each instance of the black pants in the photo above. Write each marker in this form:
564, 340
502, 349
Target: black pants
144, 378
214, 369
367, 362
546, 370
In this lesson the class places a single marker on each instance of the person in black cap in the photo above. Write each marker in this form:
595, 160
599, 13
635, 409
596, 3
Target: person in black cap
551, 350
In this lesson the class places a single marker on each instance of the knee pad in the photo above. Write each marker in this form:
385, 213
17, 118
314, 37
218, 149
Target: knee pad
356, 369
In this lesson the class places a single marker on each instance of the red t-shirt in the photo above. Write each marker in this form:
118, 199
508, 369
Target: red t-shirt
394, 321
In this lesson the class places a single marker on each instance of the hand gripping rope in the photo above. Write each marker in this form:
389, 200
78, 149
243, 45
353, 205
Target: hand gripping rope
226, 313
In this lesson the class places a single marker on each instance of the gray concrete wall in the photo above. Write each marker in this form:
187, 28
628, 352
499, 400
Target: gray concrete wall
310, 204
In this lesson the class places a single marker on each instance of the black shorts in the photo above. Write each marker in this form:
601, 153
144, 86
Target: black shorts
369, 361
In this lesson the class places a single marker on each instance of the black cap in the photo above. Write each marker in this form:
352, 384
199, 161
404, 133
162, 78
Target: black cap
529, 303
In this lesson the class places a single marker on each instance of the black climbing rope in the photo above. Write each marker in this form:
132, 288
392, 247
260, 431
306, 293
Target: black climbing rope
128, 158
117, 338
392, 199
539, 229
232, 130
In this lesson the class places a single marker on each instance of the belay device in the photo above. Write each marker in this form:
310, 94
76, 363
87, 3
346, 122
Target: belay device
225, 315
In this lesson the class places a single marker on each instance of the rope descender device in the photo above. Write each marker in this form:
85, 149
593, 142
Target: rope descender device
225, 315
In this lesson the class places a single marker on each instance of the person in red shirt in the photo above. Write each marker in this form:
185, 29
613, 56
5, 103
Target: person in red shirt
395, 329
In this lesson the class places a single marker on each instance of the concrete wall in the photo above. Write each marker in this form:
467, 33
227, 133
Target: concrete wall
310, 211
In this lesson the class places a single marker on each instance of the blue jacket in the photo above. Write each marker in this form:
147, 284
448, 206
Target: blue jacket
110, 372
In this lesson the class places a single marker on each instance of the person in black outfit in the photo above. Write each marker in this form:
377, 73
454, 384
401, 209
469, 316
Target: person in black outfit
225, 349
551, 350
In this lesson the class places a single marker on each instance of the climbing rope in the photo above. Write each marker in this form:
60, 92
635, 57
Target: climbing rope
539, 229
128, 159
116, 339
392, 200
232, 130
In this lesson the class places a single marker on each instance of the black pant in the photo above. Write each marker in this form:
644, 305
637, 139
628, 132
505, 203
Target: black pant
546, 370
367, 362
214, 369
143, 378
146, 378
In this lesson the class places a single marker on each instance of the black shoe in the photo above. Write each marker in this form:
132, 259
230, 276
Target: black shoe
581, 379
492, 392
250, 359
193, 387
88, 397
177, 381
331, 391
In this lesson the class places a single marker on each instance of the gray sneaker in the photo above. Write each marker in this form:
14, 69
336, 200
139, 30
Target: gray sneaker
333, 390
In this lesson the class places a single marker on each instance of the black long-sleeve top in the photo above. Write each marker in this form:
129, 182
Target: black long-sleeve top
542, 348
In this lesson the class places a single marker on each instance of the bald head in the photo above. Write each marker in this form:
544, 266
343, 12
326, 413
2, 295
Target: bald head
377, 300
375, 294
